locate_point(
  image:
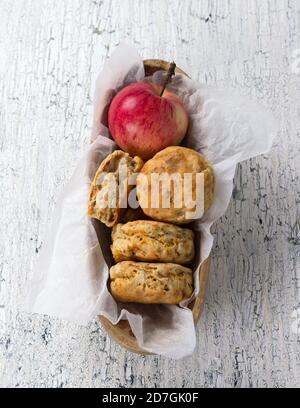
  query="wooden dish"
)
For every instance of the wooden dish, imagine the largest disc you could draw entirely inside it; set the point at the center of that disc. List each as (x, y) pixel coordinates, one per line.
(121, 332)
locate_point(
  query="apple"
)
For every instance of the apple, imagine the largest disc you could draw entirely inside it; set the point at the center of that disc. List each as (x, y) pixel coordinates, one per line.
(142, 122)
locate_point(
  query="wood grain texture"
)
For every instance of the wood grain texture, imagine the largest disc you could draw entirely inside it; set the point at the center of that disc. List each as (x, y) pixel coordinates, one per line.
(50, 53)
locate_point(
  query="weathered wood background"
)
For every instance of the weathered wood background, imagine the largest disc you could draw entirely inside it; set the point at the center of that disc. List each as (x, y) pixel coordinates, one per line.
(50, 52)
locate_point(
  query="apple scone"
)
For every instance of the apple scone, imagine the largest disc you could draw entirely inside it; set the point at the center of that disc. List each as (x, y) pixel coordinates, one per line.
(150, 283)
(108, 190)
(152, 241)
(176, 185)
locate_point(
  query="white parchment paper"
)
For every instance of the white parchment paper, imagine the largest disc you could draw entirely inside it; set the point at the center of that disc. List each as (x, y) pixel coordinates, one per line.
(71, 277)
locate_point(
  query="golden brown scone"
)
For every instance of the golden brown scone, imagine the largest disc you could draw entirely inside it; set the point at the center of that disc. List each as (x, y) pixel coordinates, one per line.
(152, 241)
(151, 283)
(174, 160)
(104, 187)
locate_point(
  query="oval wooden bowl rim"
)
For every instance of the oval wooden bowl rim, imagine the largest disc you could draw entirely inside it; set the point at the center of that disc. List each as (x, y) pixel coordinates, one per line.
(121, 332)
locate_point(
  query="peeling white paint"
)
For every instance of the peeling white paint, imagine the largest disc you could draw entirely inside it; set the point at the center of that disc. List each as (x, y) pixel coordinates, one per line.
(55, 50)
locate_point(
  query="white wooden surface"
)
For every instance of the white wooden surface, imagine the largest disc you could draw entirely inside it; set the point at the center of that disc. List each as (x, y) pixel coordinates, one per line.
(50, 52)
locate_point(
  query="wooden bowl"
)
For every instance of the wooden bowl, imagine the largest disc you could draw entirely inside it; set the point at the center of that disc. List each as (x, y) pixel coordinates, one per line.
(121, 332)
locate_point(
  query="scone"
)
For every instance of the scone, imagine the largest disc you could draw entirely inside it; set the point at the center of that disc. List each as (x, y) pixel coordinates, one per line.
(104, 198)
(151, 283)
(177, 162)
(152, 241)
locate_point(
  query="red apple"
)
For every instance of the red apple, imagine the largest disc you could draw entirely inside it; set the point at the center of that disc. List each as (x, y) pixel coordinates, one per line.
(142, 122)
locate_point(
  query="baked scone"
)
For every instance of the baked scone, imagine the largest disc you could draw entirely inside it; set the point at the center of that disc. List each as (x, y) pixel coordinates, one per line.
(175, 161)
(150, 283)
(152, 241)
(104, 197)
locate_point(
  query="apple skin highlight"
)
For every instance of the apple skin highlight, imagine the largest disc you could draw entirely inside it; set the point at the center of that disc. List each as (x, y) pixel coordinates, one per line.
(142, 122)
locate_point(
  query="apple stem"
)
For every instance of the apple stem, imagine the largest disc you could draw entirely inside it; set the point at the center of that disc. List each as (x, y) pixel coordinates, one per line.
(170, 73)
